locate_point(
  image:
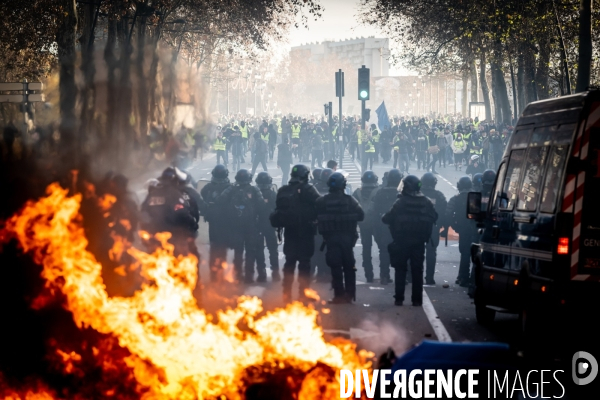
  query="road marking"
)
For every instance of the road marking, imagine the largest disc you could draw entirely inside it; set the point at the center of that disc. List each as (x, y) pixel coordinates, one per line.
(439, 329)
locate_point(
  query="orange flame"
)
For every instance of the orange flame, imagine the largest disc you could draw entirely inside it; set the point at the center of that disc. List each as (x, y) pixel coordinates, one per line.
(177, 350)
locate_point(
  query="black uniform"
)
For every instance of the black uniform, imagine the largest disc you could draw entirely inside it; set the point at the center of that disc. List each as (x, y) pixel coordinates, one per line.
(243, 203)
(295, 213)
(364, 196)
(438, 200)
(383, 200)
(410, 220)
(214, 214)
(338, 215)
(267, 235)
(467, 233)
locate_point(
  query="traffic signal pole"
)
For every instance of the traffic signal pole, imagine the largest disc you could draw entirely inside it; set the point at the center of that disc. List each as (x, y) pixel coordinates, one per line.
(362, 115)
(339, 92)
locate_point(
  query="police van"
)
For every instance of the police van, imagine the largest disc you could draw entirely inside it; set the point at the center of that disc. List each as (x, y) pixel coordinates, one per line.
(539, 250)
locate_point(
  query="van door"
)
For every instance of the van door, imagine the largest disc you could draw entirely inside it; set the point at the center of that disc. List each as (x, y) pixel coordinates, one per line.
(589, 244)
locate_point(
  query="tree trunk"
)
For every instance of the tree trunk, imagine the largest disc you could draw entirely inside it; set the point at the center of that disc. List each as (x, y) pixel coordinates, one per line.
(126, 133)
(143, 98)
(529, 70)
(541, 75)
(520, 83)
(111, 136)
(465, 94)
(65, 40)
(563, 55)
(88, 70)
(474, 85)
(585, 46)
(501, 94)
(514, 91)
(152, 78)
(484, 88)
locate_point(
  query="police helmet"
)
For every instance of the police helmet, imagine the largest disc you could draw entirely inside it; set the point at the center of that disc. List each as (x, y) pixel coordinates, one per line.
(169, 175)
(264, 180)
(316, 174)
(220, 172)
(336, 181)
(325, 174)
(489, 176)
(373, 126)
(429, 180)
(384, 179)
(369, 179)
(474, 158)
(394, 177)
(299, 173)
(464, 183)
(243, 176)
(477, 181)
(411, 185)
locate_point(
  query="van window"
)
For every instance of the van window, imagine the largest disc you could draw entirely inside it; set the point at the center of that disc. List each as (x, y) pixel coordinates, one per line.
(510, 188)
(496, 203)
(531, 188)
(520, 138)
(553, 182)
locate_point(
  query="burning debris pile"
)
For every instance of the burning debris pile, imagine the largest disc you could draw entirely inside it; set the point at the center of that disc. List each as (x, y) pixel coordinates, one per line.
(158, 344)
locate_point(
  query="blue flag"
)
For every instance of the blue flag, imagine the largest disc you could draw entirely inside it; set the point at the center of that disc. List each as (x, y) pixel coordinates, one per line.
(382, 117)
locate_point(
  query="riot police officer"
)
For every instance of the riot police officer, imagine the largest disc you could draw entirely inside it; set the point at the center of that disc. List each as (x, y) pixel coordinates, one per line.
(382, 202)
(315, 175)
(466, 228)
(167, 208)
(243, 202)
(477, 182)
(364, 196)
(267, 233)
(437, 198)
(321, 184)
(487, 184)
(411, 221)
(338, 215)
(295, 212)
(214, 214)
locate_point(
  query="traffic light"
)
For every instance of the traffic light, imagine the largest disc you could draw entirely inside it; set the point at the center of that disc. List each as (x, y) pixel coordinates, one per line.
(363, 83)
(366, 114)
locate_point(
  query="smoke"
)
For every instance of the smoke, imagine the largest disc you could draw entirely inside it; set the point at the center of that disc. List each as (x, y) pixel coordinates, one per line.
(388, 336)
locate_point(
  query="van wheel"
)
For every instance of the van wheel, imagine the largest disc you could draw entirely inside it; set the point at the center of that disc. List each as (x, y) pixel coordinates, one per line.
(484, 315)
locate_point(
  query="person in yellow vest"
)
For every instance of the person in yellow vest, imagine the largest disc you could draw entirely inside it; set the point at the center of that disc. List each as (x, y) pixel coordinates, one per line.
(296, 128)
(369, 152)
(476, 122)
(219, 145)
(459, 147)
(244, 130)
(360, 133)
(376, 136)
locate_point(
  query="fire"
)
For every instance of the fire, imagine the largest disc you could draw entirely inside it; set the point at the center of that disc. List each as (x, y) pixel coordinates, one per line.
(177, 350)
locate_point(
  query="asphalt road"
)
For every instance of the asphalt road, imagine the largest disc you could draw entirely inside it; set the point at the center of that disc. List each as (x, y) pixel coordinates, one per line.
(373, 322)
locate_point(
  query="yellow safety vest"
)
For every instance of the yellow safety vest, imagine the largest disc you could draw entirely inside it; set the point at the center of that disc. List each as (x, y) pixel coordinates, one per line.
(359, 136)
(244, 130)
(295, 132)
(476, 124)
(279, 126)
(459, 144)
(219, 144)
(369, 146)
(376, 136)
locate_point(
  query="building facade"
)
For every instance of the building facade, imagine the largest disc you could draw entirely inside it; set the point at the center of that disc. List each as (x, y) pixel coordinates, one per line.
(371, 52)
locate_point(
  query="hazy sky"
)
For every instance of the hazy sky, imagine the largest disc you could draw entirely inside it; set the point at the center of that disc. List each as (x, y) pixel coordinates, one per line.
(338, 22)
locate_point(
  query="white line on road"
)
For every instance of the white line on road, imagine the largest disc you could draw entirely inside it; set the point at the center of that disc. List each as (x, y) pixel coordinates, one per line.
(439, 329)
